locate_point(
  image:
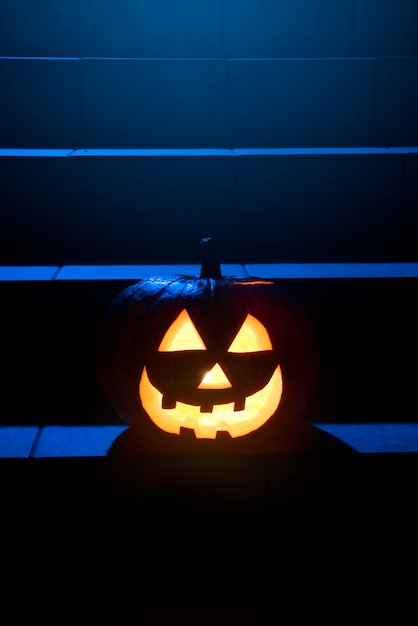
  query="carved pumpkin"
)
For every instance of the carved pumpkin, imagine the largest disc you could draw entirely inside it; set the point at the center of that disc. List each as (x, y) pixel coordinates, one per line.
(207, 357)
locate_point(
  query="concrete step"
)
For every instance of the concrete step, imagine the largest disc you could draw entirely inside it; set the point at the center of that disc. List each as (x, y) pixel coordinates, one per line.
(211, 28)
(110, 535)
(208, 102)
(67, 441)
(93, 206)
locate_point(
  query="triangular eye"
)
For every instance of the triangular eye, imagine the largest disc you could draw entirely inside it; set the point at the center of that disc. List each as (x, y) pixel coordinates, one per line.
(182, 335)
(251, 337)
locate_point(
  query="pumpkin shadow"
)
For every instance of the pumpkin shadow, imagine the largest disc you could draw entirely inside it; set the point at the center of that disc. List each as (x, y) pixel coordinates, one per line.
(236, 610)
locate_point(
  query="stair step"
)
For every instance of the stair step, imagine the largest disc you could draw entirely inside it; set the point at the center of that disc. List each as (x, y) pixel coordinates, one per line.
(263, 270)
(195, 102)
(135, 207)
(210, 28)
(55, 441)
(203, 152)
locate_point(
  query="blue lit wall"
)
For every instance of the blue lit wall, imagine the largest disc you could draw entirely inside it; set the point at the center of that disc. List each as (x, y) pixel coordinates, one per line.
(238, 83)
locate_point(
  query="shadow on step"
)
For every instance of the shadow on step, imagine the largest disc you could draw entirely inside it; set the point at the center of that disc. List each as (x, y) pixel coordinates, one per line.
(302, 439)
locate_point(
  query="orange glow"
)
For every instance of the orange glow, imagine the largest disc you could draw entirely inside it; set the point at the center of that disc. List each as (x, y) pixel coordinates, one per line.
(251, 337)
(254, 282)
(258, 409)
(215, 379)
(182, 335)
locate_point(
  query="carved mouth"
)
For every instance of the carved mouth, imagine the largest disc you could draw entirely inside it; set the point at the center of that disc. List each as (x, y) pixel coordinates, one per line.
(189, 433)
(238, 418)
(205, 407)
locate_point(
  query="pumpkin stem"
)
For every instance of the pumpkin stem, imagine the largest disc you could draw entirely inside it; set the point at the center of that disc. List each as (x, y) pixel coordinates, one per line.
(210, 263)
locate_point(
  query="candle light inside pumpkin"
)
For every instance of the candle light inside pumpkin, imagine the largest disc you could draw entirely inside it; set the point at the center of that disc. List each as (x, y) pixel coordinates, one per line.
(237, 418)
(215, 379)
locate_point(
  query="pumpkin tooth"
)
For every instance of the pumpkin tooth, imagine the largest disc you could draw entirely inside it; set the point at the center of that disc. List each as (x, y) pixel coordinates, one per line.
(206, 408)
(223, 435)
(187, 432)
(239, 404)
(168, 403)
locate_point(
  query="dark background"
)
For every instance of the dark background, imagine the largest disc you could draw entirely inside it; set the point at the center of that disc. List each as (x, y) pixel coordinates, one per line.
(135, 540)
(218, 74)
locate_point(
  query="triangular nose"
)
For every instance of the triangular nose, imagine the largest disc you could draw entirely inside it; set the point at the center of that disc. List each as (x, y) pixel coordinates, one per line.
(215, 379)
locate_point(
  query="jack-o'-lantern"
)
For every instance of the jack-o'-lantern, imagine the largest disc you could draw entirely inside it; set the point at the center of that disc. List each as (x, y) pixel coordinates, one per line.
(211, 356)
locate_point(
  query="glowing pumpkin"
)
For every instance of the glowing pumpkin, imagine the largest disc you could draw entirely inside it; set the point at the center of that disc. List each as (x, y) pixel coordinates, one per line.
(207, 357)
